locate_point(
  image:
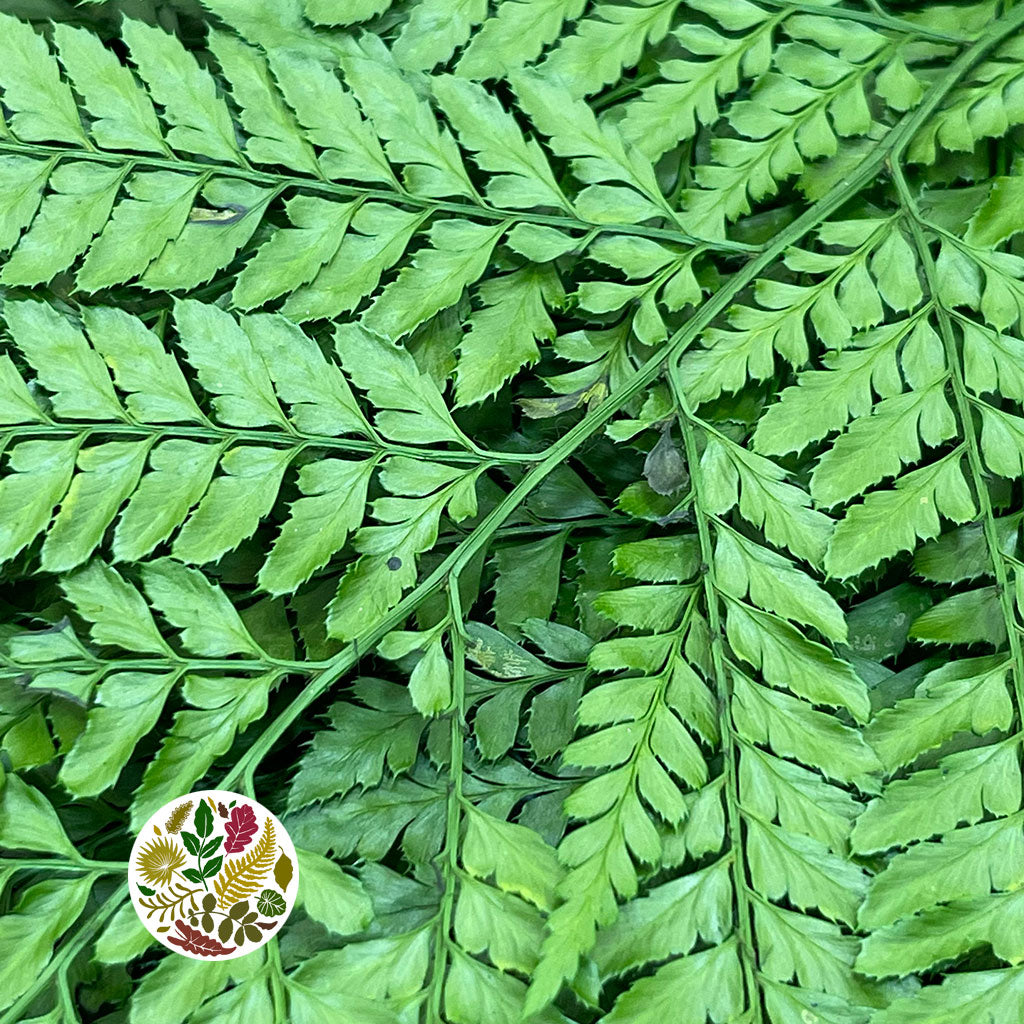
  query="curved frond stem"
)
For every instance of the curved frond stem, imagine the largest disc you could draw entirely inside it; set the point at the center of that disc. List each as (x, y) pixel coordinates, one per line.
(965, 414)
(723, 693)
(543, 528)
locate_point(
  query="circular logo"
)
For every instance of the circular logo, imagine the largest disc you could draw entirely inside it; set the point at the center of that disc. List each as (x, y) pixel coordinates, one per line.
(213, 875)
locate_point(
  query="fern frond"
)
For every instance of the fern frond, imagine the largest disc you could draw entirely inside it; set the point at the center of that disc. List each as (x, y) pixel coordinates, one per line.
(603, 854)
(827, 95)
(940, 916)
(129, 699)
(562, 455)
(847, 295)
(514, 35)
(176, 224)
(962, 121)
(669, 111)
(169, 433)
(602, 46)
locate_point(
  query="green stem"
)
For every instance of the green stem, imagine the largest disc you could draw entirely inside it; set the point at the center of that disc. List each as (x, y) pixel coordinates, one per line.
(449, 855)
(402, 198)
(723, 691)
(878, 19)
(66, 1000)
(104, 867)
(295, 439)
(199, 869)
(965, 414)
(589, 523)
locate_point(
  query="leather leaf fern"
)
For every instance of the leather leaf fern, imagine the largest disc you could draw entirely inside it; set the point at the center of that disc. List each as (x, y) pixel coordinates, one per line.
(564, 458)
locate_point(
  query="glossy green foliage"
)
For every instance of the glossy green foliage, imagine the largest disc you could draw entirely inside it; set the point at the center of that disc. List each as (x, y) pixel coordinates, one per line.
(564, 458)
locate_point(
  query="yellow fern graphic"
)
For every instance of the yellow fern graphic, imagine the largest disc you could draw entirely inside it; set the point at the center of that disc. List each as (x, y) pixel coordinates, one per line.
(242, 876)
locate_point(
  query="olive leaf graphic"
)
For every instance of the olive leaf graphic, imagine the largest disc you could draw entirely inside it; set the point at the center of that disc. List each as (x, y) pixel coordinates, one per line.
(177, 817)
(175, 899)
(283, 871)
(159, 859)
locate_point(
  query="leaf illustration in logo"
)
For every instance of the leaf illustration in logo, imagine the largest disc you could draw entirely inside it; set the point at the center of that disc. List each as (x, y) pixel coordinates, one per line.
(242, 876)
(240, 911)
(211, 867)
(271, 903)
(178, 817)
(203, 820)
(242, 921)
(211, 846)
(240, 829)
(159, 859)
(174, 900)
(283, 871)
(192, 940)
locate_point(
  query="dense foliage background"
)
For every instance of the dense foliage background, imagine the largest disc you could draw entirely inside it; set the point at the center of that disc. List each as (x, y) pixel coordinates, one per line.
(563, 458)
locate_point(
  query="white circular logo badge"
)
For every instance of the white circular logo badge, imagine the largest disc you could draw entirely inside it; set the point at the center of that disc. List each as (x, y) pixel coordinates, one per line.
(213, 875)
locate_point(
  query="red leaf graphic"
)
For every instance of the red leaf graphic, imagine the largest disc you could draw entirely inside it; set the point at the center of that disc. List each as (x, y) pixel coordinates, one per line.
(240, 829)
(194, 941)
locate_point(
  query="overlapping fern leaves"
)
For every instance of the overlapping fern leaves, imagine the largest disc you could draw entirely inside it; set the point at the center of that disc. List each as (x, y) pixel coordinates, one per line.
(564, 458)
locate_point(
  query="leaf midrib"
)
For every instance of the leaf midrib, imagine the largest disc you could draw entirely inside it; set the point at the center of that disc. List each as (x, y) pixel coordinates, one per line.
(284, 181)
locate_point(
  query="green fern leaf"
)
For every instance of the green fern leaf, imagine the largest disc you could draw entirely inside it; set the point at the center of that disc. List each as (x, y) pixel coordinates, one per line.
(568, 457)
(515, 35)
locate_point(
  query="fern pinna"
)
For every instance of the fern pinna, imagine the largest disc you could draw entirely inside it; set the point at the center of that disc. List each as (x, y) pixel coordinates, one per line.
(563, 458)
